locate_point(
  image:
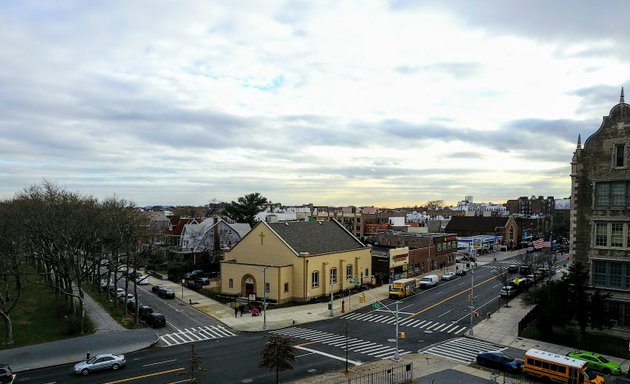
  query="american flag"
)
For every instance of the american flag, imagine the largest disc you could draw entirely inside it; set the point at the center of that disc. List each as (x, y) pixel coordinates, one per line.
(540, 244)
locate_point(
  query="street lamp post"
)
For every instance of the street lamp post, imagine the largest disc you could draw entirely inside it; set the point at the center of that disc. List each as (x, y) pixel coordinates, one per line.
(183, 281)
(396, 355)
(472, 299)
(264, 270)
(265, 298)
(331, 296)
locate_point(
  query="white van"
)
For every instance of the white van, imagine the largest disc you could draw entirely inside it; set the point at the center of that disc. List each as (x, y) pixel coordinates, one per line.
(429, 281)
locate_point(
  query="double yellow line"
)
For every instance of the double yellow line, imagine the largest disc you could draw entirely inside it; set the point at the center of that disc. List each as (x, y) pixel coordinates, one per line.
(145, 376)
(449, 298)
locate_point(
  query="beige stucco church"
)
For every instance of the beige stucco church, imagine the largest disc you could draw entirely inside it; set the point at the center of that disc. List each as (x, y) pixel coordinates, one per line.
(298, 261)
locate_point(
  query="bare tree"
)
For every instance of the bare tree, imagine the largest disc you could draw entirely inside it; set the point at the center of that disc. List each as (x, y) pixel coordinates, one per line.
(278, 354)
(11, 260)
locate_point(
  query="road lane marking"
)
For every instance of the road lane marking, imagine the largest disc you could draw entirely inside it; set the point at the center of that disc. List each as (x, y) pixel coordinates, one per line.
(445, 313)
(450, 297)
(160, 362)
(145, 376)
(328, 355)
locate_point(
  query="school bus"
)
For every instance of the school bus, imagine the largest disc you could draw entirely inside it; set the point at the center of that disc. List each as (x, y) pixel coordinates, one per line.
(560, 369)
(402, 288)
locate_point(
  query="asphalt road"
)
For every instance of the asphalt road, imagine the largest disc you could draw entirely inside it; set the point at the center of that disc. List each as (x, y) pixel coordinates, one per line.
(229, 360)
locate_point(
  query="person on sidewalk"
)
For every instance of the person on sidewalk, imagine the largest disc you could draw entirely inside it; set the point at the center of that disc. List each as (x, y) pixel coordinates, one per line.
(235, 311)
(241, 308)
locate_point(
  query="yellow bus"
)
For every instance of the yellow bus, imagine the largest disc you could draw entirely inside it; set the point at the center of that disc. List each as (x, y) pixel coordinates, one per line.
(403, 288)
(561, 369)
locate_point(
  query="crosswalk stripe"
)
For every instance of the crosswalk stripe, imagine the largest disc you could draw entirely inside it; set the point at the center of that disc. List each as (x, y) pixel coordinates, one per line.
(194, 334)
(420, 323)
(335, 340)
(460, 331)
(427, 323)
(462, 349)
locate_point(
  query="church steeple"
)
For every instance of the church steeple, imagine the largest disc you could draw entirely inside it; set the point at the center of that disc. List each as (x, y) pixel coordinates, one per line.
(579, 143)
(621, 101)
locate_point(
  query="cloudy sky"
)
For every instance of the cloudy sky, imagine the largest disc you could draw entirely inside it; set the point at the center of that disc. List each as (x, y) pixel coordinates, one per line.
(385, 103)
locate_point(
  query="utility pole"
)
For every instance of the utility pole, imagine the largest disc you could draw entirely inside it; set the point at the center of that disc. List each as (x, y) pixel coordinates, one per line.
(472, 300)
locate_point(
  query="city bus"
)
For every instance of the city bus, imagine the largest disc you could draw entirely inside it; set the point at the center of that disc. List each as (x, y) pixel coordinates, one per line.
(560, 369)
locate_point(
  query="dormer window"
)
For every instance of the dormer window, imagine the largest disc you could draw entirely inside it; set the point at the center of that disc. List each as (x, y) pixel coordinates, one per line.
(620, 156)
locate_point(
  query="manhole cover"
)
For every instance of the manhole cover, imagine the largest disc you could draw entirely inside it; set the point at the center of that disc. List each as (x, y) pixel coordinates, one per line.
(391, 340)
(312, 370)
(428, 331)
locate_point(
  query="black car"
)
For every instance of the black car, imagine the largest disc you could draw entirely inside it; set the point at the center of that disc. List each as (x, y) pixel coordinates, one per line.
(460, 272)
(525, 270)
(6, 375)
(513, 268)
(193, 274)
(156, 288)
(194, 284)
(144, 311)
(156, 320)
(166, 293)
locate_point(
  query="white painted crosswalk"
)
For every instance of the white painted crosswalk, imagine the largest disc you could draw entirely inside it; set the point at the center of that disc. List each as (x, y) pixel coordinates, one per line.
(462, 349)
(365, 347)
(427, 325)
(191, 335)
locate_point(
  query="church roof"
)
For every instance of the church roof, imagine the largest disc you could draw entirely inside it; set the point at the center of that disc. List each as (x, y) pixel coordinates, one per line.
(316, 237)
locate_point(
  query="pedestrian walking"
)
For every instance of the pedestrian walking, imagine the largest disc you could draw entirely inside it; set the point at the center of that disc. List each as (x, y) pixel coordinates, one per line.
(242, 309)
(87, 356)
(235, 311)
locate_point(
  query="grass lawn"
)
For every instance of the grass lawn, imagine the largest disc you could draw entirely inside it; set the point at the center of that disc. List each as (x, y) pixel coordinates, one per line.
(38, 318)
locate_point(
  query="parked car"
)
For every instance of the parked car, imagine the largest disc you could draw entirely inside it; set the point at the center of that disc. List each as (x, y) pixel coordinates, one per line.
(597, 362)
(142, 280)
(194, 284)
(6, 374)
(203, 280)
(193, 274)
(156, 320)
(508, 291)
(449, 276)
(98, 363)
(460, 272)
(125, 298)
(512, 268)
(144, 311)
(429, 281)
(157, 288)
(499, 360)
(166, 293)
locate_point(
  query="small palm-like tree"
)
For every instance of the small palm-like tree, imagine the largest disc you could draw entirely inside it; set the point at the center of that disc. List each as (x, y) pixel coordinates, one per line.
(278, 353)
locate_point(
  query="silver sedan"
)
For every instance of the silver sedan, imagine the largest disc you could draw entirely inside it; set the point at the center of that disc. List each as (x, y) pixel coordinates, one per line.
(98, 363)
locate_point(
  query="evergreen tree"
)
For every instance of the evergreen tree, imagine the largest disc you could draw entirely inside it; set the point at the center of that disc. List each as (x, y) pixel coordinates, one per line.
(246, 208)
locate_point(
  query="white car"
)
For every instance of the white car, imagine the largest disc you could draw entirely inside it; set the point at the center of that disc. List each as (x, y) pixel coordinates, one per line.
(449, 276)
(142, 280)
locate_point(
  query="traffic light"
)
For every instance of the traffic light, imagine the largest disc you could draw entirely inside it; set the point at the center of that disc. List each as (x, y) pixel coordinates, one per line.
(476, 314)
(469, 297)
(362, 299)
(401, 335)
